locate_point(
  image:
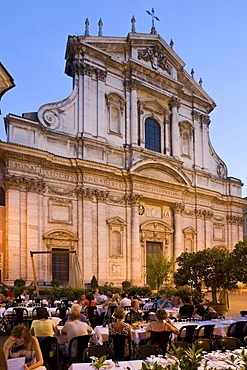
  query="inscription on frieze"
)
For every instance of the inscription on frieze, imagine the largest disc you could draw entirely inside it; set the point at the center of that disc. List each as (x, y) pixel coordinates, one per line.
(153, 189)
(24, 166)
(104, 182)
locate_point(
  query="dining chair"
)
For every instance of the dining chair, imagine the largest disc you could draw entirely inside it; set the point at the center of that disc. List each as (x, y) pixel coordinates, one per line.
(35, 312)
(108, 315)
(187, 333)
(146, 350)
(20, 316)
(243, 313)
(230, 343)
(49, 349)
(206, 344)
(236, 330)
(205, 331)
(119, 343)
(62, 313)
(76, 348)
(97, 351)
(161, 339)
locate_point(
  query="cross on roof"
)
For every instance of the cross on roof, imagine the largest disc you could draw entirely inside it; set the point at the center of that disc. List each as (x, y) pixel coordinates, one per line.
(153, 30)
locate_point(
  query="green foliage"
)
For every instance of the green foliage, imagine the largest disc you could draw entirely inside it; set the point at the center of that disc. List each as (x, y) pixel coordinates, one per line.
(20, 282)
(142, 291)
(210, 267)
(99, 362)
(126, 285)
(17, 290)
(159, 269)
(238, 261)
(188, 358)
(94, 283)
(56, 282)
(156, 366)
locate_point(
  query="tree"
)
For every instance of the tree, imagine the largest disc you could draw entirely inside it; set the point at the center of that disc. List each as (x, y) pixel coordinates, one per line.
(238, 261)
(209, 266)
(159, 269)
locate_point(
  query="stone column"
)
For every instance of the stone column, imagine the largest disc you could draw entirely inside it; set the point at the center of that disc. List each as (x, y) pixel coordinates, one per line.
(100, 128)
(87, 232)
(199, 220)
(167, 133)
(136, 264)
(208, 228)
(178, 209)
(198, 146)
(102, 251)
(205, 136)
(133, 113)
(174, 106)
(87, 71)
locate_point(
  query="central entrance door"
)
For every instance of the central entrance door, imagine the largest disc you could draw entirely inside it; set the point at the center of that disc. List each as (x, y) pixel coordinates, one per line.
(152, 249)
(60, 265)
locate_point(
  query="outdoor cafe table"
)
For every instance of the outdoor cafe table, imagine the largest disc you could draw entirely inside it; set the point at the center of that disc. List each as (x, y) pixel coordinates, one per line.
(216, 360)
(51, 310)
(221, 325)
(220, 329)
(102, 334)
(122, 365)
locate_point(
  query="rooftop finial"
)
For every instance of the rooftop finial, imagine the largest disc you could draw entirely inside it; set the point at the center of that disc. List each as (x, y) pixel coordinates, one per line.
(200, 82)
(171, 43)
(192, 72)
(133, 27)
(100, 24)
(153, 30)
(86, 27)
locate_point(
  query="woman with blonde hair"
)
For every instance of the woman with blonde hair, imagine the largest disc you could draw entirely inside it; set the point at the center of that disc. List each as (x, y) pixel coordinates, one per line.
(22, 344)
(121, 328)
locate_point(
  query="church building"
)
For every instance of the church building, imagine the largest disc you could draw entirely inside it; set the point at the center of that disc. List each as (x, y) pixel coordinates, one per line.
(120, 169)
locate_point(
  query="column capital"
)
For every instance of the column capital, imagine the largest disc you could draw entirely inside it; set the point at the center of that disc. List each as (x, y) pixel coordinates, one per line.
(174, 102)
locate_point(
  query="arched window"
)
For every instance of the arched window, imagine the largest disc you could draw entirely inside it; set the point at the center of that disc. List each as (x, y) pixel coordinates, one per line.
(152, 135)
(2, 197)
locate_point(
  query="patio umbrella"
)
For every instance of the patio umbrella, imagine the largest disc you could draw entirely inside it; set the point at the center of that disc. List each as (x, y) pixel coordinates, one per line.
(75, 275)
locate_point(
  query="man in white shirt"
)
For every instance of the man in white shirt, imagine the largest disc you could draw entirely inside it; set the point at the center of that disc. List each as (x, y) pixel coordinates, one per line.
(125, 301)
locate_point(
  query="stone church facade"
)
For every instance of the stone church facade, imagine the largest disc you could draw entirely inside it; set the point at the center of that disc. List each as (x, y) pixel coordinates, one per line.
(121, 168)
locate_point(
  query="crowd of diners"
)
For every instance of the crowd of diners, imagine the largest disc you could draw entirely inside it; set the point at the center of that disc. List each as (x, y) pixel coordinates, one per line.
(25, 341)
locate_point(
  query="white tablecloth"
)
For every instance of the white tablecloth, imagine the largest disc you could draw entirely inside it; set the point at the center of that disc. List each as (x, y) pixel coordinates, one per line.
(216, 359)
(133, 365)
(102, 334)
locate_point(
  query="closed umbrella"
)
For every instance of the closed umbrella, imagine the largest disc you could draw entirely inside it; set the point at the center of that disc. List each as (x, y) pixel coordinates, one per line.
(75, 275)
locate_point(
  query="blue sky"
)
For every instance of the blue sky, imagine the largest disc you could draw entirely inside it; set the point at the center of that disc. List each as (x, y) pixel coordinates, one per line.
(209, 35)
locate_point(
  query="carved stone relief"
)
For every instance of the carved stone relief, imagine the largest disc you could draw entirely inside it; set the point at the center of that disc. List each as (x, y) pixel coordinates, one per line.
(156, 56)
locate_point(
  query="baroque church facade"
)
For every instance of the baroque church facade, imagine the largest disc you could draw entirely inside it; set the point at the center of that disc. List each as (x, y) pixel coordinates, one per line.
(120, 169)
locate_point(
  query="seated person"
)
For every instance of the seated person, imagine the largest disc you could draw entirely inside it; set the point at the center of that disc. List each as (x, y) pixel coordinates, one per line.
(199, 309)
(187, 309)
(43, 326)
(122, 328)
(176, 301)
(134, 315)
(73, 328)
(125, 301)
(25, 295)
(101, 298)
(76, 308)
(163, 301)
(22, 344)
(162, 325)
